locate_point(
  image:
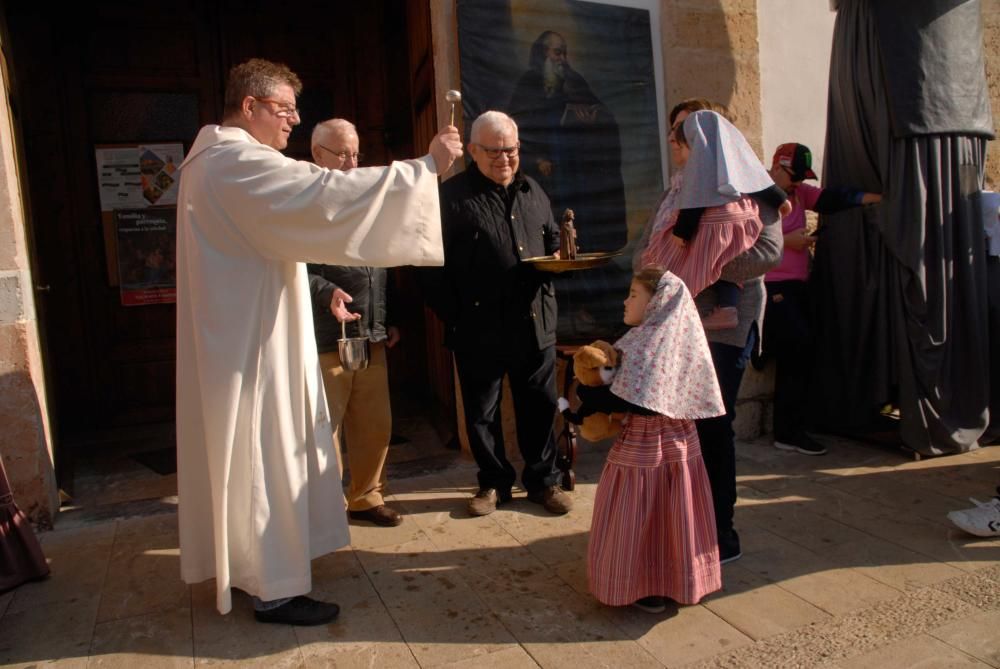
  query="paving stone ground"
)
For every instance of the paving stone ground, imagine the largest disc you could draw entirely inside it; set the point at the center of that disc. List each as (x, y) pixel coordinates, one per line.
(848, 562)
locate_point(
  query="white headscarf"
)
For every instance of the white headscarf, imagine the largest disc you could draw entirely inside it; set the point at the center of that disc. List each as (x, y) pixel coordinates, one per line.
(722, 167)
(666, 366)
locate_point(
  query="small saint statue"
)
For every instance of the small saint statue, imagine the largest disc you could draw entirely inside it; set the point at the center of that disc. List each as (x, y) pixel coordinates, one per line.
(567, 236)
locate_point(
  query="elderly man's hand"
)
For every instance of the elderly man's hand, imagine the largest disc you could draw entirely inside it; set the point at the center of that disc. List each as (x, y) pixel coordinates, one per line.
(445, 148)
(338, 306)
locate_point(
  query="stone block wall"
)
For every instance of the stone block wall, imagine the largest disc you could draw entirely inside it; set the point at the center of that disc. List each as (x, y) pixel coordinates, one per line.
(991, 50)
(710, 50)
(25, 445)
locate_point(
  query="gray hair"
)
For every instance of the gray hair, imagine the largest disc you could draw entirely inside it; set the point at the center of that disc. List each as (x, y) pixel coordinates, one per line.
(491, 120)
(331, 126)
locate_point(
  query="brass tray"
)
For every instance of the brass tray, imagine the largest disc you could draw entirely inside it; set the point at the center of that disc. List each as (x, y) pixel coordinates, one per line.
(582, 261)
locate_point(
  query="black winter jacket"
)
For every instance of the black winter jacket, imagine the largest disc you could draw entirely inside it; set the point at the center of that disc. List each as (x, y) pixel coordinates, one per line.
(485, 295)
(367, 287)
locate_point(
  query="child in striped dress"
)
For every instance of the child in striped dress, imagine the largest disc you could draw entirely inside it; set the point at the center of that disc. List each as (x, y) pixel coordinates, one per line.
(717, 217)
(653, 530)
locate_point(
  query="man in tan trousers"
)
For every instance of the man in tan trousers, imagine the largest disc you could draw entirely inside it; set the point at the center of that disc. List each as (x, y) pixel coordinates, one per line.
(358, 400)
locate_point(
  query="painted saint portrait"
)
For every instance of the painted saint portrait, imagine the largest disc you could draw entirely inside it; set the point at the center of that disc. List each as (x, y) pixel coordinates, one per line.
(578, 79)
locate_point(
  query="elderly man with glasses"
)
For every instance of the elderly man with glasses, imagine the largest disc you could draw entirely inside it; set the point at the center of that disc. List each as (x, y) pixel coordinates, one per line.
(258, 483)
(500, 313)
(358, 400)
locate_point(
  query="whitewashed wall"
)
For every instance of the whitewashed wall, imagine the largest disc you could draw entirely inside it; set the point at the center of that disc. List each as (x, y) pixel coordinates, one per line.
(795, 38)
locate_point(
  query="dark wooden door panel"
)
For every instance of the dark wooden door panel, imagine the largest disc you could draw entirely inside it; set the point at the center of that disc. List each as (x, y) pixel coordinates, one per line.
(122, 72)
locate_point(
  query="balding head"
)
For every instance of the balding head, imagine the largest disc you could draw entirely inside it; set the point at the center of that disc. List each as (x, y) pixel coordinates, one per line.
(335, 144)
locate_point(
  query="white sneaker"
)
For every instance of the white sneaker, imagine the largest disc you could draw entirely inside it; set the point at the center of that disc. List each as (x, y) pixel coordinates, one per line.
(982, 521)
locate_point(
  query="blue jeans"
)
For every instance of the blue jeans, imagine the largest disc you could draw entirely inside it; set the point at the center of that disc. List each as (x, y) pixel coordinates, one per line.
(718, 445)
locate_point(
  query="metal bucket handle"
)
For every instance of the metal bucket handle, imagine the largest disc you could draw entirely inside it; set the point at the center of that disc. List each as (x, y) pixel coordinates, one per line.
(353, 351)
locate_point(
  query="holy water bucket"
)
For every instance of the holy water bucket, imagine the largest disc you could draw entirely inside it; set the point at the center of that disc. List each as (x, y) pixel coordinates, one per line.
(353, 350)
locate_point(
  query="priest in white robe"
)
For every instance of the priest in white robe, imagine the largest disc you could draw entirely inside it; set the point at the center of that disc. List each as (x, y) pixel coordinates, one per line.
(259, 486)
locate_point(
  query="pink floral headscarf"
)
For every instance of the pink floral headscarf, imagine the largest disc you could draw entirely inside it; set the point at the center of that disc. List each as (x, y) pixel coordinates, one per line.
(666, 366)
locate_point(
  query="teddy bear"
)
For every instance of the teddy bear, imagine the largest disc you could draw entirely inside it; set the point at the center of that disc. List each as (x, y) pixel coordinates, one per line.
(594, 366)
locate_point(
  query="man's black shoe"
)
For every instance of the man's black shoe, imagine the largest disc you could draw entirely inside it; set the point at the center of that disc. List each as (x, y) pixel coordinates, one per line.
(729, 547)
(301, 611)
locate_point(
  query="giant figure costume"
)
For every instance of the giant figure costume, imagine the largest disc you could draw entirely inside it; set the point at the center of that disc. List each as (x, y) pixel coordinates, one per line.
(901, 287)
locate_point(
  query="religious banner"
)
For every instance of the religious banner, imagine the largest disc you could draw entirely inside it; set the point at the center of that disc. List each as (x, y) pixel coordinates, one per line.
(147, 268)
(578, 78)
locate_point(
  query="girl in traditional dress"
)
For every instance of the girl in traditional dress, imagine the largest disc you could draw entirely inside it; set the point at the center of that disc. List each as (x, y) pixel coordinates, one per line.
(653, 530)
(716, 217)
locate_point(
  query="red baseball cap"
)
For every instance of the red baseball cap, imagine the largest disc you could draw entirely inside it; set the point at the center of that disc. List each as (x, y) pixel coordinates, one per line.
(797, 158)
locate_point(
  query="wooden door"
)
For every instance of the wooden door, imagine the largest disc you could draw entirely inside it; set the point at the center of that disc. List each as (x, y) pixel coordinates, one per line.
(438, 370)
(121, 72)
(106, 75)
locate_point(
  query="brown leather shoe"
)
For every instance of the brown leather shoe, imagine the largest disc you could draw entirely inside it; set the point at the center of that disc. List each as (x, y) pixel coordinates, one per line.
(380, 515)
(553, 499)
(486, 502)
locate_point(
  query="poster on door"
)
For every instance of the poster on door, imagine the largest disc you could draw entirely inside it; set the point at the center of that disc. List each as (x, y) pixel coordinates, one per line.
(143, 175)
(134, 176)
(147, 267)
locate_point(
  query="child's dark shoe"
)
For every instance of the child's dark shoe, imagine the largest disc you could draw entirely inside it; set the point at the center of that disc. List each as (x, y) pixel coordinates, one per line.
(653, 604)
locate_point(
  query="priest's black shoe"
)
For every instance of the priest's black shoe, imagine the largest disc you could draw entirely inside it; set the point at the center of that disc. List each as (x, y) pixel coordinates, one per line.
(300, 610)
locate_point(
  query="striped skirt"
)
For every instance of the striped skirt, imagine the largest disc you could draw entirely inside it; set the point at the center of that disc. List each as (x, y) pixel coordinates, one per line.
(653, 530)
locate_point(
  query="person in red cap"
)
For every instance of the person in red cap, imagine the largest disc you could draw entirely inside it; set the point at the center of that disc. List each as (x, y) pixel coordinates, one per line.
(786, 319)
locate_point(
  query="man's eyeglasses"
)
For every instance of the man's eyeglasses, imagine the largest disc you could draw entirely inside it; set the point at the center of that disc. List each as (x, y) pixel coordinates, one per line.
(284, 110)
(493, 154)
(344, 155)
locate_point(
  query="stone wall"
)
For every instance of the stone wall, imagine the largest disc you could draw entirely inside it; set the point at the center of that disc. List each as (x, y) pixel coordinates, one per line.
(710, 50)
(991, 49)
(24, 437)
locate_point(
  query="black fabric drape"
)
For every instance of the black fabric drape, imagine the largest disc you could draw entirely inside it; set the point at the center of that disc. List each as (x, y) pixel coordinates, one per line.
(900, 287)
(932, 57)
